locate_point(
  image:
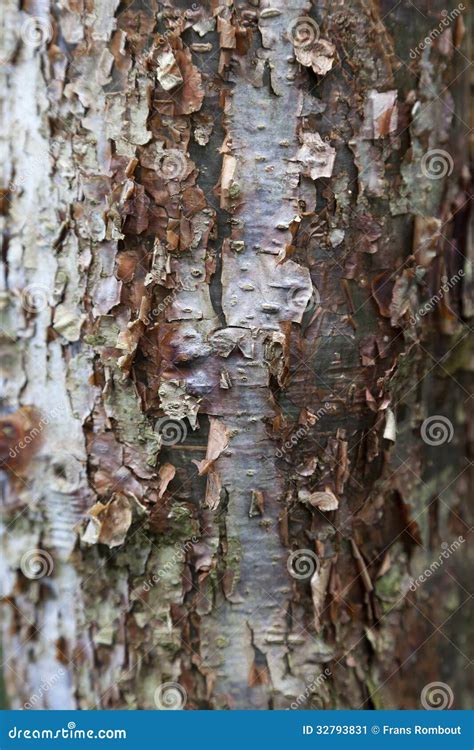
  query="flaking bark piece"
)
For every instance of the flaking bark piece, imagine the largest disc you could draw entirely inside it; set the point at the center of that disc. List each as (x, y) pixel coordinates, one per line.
(370, 165)
(426, 239)
(316, 156)
(370, 231)
(368, 351)
(21, 435)
(227, 189)
(224, 380)
(213, 490)
(362, 567)
(217, 442)
(257, 504)
(307, 467)
(404, 296)
(319, 585)
(135, 209)
(390, 430)
(187, 97)
(128, 341)
(177, 403)
(382, 287)
(168, 73)
(108, 524)
(320, 56)
(225, 340)
(323, 500)
(380, 114)
(276, 356)
(167, 473)
(226, 33)
(203, 127)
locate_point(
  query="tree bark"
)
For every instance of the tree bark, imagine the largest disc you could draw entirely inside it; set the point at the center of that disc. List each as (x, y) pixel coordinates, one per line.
(236, 354)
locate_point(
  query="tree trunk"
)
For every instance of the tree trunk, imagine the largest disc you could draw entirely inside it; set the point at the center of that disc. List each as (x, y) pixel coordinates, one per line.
(235, 354)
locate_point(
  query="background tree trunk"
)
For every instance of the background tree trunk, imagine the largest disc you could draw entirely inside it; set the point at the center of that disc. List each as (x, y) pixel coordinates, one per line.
(220, 224)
